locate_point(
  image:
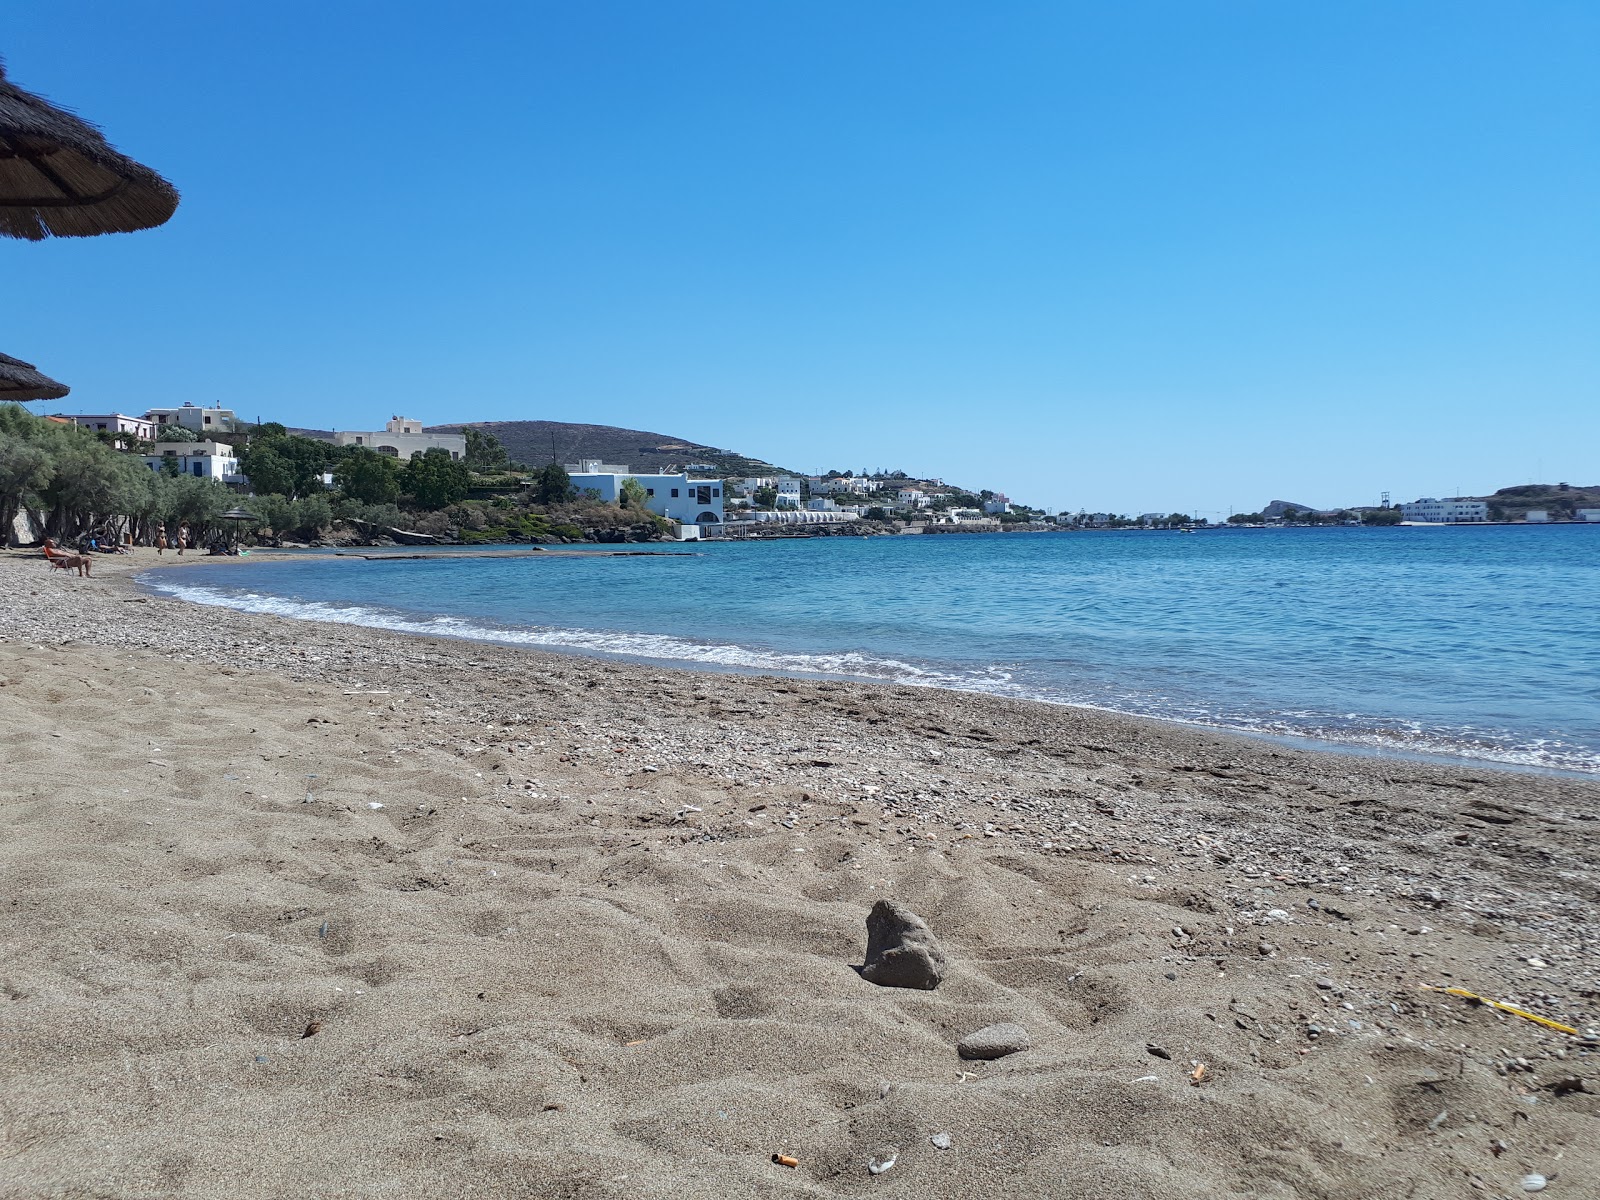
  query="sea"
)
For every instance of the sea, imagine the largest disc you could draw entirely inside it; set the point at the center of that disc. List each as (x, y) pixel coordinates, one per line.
(1478, 643)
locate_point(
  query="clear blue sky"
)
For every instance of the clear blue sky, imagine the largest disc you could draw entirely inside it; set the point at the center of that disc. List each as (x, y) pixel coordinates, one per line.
(1161, 255)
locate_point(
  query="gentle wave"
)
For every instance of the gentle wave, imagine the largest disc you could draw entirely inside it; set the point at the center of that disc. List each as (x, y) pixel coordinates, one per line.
(1349, 729)
(663, 647)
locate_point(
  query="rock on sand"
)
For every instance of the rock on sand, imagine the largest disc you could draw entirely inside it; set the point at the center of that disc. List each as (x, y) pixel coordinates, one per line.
(901, 949)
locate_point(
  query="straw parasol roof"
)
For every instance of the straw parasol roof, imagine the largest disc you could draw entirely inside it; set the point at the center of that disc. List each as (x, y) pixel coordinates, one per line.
(20, 381)
(60, 177)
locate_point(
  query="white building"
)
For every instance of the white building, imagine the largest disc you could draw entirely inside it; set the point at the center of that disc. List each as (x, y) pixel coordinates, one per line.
(401, 438)
(1000, 503)
(677, 497)
(1591, 515)
(203, 460)
(795, 517)
(118, 423)
(787, 487)
(822, 504)
(1446, 512)
(201, 420)
(910, 497)
(1537, 516)
(839, 485)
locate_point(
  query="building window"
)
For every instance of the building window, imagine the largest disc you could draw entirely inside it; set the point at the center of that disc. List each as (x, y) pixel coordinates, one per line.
(649, 491)
(716, 491)
(674, 493)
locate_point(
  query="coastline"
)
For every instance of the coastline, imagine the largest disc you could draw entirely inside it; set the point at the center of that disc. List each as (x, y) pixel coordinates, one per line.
(203, 870)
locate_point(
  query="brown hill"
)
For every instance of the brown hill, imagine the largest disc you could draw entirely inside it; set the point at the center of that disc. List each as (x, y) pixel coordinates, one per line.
(1560, 500)
(535, 443)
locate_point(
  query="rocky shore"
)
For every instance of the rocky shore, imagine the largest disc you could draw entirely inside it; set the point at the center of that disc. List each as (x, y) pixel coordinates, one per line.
(319, 910)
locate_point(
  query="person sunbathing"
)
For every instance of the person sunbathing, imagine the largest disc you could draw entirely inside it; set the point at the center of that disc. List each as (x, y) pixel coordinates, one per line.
(63, 560)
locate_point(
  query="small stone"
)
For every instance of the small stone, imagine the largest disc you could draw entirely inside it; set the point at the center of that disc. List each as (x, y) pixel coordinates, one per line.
(940, 1141)
(901, 949)
(994, 1041)
(1533, 1182)
(1325, 984)
(883, 1160)
(1157, 1051)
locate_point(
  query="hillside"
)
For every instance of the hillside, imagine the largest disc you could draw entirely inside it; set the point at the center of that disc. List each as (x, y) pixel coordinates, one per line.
(533, 442)
(1558, 499)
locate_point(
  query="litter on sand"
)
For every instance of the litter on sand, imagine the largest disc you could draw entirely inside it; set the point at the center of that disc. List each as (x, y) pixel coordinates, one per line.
(786, 1160)
(1503, 1007)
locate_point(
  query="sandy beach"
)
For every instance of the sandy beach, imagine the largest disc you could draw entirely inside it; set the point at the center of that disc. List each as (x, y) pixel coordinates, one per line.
(312, 910)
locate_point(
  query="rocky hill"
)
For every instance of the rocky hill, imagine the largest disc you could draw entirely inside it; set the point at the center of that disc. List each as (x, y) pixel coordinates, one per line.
(535, 442)
(1558, 499)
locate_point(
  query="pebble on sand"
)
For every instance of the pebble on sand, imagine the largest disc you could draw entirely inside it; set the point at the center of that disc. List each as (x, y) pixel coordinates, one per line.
(994, 1041)
(901, 949)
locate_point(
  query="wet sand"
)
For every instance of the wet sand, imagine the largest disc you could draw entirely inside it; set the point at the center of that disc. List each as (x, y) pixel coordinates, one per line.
(305, 909)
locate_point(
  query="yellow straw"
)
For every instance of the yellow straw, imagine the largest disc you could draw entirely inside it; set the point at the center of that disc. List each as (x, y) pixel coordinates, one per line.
(1503, 1007)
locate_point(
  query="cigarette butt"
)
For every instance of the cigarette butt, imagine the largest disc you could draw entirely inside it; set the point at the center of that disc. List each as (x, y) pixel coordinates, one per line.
(1199, 1074)
(784, 1160)
(639, 1042)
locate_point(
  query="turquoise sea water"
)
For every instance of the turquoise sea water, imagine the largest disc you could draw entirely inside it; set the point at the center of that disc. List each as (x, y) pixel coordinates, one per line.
(1473, 642)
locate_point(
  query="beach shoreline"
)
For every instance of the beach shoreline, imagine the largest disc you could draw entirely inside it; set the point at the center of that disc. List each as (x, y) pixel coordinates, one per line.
(576, 926)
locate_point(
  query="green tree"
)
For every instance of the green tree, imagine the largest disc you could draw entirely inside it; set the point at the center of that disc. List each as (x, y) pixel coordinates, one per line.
(485, 454)
(24, 469)
(632, 494)
(435, 480)
(268, 471)
(552, 485)
(1382, 516)
(368, 476)
(766, 497)
(176, 433)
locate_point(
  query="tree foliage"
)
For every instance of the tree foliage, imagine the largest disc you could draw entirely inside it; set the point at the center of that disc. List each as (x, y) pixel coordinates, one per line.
(367, 476)
(552, 485)
(485, 454)
(286, 465)
(632, 494)
(435, 480)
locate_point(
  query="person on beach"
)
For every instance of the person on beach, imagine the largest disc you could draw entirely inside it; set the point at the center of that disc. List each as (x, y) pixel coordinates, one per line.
(183, 537)
(59, 558)
(161, 537)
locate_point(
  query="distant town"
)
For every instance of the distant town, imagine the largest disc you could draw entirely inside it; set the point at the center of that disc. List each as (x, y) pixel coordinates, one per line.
(410, 482)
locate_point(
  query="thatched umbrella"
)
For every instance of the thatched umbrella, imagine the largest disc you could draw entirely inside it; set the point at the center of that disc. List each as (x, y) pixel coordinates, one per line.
(21, 381)
(60, 177)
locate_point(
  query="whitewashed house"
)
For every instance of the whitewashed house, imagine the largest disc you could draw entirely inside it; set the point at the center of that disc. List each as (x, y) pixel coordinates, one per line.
(1590, 515)
(910, 497)
(198, 420)
(1537, 516)
(124, 428)
(677, 497)
(402, 437)
(203, 460)
(999, 503)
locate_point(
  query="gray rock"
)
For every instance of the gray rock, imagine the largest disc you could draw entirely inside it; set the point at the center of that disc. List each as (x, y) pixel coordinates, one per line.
(994, 1041)
(941, 1141)
(901, 949)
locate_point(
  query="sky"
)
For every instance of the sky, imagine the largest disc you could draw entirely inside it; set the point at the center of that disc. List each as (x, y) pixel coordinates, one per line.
(1146, 256)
